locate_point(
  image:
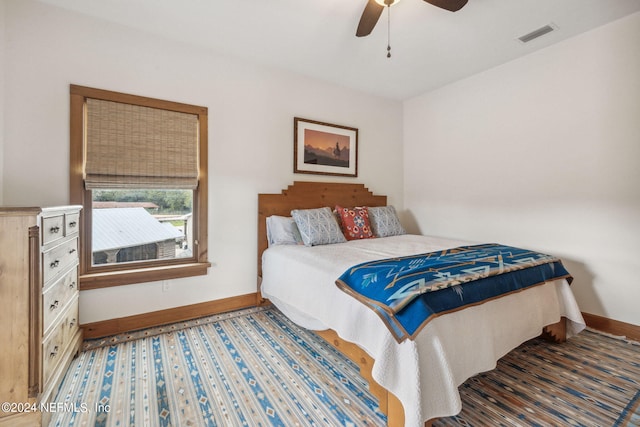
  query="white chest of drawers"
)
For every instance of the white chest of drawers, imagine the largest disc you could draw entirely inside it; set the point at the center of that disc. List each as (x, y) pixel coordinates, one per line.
(38, 305)
(61, 335)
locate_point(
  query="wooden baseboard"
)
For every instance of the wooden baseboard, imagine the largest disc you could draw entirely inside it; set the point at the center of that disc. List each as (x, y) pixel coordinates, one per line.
(611, 326)
(120, 325)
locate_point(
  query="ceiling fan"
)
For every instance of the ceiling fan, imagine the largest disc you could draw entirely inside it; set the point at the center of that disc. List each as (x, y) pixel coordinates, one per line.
(374, 8)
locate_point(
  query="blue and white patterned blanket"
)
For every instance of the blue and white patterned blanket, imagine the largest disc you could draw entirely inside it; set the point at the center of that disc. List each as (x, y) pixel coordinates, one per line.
(408, 292)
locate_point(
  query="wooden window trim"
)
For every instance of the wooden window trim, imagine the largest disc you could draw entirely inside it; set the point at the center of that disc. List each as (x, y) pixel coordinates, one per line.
(92, 277)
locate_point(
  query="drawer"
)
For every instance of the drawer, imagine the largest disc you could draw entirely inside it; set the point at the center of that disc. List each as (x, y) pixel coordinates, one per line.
(55, 343)
(72, 223)
(59, 259)
(57, 296)
(70, 324)
(52, 349)
(52, 228)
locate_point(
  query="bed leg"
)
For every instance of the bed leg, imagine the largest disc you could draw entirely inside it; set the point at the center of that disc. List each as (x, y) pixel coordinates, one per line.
(389, 404)
(395, 411)
(556, 332)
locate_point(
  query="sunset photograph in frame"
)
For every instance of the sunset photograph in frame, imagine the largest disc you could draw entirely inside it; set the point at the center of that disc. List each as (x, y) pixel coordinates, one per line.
(324, 148)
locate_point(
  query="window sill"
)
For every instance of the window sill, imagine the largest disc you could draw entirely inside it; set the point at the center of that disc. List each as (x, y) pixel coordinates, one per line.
(141, 275)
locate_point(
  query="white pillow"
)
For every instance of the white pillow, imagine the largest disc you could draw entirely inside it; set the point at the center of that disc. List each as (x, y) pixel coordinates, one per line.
(282, 230)
(384, 221)
(318, 226)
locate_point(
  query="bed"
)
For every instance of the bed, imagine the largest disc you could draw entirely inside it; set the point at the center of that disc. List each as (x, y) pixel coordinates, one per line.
(415, 380)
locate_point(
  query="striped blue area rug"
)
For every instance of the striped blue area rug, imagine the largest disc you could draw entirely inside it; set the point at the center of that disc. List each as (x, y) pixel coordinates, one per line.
(592, 380)
(631, 414)
(255, 368)
(249, 368)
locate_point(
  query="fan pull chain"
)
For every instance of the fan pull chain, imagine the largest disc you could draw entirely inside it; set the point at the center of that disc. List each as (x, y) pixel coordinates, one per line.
(388, 31)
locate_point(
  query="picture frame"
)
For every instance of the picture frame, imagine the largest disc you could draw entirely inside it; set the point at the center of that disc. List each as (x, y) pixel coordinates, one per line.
(324, 148)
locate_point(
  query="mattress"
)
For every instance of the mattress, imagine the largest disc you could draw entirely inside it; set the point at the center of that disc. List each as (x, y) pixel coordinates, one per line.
(424, 373)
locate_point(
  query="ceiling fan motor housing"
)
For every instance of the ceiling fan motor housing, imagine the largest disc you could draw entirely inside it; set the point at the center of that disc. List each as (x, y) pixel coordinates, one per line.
(386, 2)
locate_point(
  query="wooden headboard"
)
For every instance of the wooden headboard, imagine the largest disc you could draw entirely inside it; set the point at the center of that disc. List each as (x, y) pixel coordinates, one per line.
(308, 195)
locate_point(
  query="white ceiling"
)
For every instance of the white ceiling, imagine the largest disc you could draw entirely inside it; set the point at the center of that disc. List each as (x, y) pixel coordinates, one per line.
(430, 47)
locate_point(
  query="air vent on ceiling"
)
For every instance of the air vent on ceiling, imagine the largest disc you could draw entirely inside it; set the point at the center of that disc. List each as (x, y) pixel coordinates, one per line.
(536, 33)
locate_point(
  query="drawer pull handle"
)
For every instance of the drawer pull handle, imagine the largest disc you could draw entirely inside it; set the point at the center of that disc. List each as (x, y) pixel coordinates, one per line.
(54, 264)
(72, 323)
(72, 285)
(72, 224)
(72, 250)
(54, 352)
(54, 305)
(54, 230)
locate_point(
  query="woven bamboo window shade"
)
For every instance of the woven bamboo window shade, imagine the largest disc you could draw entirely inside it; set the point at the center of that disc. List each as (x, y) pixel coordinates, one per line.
(131, 146)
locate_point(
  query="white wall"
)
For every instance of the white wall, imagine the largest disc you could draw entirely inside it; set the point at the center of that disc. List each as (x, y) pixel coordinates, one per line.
(542, 152)
(251, 112)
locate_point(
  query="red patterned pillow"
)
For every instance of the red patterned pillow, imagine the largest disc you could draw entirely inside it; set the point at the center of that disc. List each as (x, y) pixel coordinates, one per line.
(355, 222)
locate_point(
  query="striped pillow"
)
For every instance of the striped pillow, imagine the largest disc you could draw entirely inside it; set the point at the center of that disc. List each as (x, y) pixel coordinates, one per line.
(385, 222)
(317, 226)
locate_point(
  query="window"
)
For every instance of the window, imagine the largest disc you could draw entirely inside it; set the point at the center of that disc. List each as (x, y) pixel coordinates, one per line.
(138, 225)
(139, 169)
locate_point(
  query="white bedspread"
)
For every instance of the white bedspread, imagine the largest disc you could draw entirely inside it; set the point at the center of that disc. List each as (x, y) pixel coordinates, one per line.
(424, 374)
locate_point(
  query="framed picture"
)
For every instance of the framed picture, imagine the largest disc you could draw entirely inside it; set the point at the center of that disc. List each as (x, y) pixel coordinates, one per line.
(324, 149)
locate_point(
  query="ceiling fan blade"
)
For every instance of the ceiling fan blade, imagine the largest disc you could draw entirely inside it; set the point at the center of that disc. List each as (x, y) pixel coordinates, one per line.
(450, 5)
(370, 16)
